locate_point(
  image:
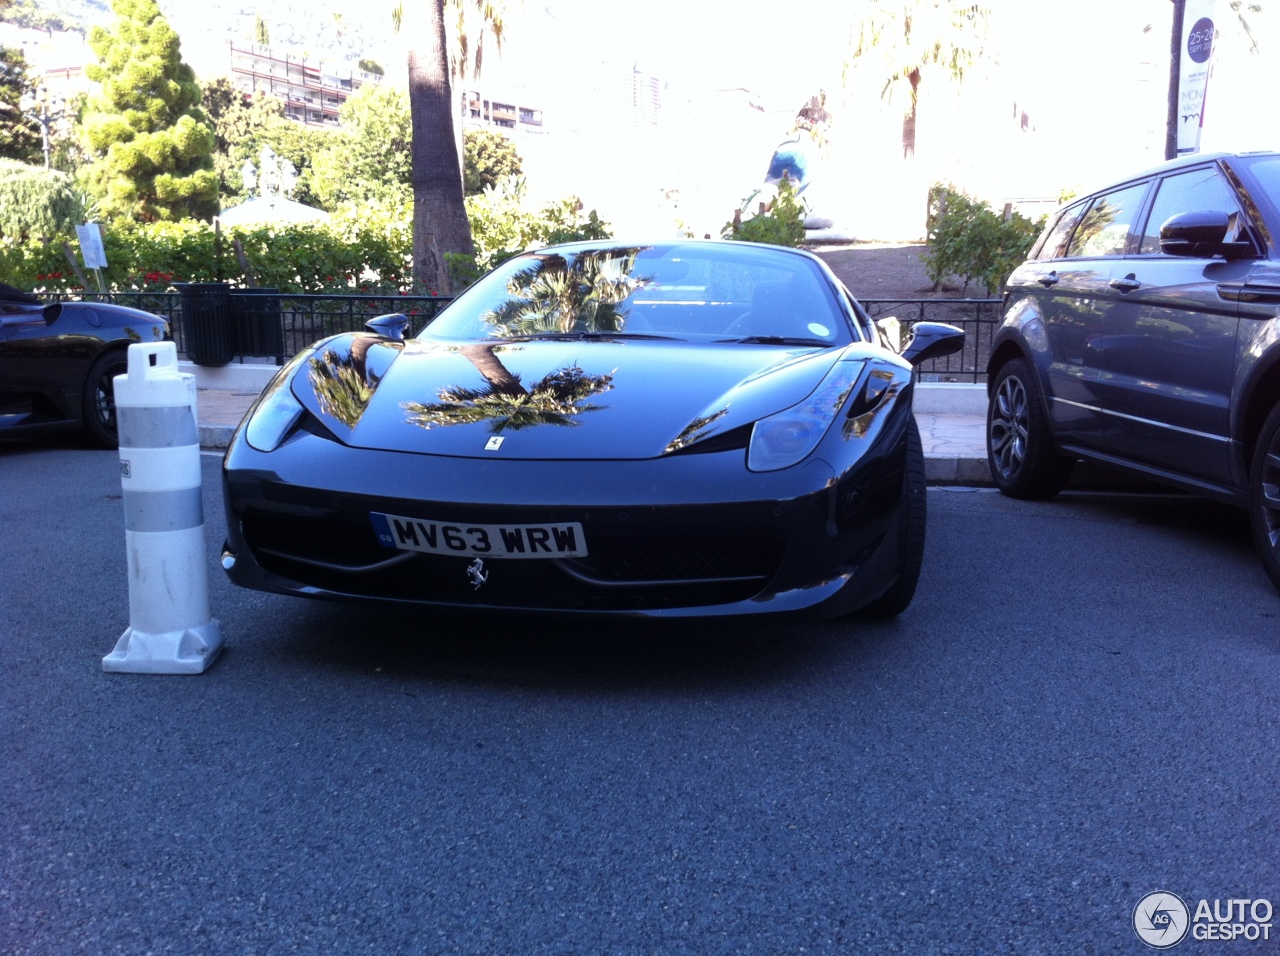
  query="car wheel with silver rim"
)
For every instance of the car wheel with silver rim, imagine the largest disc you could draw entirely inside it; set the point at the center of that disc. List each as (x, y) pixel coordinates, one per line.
(1264, 495)
(1024, 463)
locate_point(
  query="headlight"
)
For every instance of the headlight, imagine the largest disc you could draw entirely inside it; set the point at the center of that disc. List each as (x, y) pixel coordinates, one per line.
(781, 440)
(276, 411)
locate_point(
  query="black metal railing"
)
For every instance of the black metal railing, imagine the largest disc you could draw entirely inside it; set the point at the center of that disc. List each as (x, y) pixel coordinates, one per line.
(978, 317)
(268, 324)
(276, 326)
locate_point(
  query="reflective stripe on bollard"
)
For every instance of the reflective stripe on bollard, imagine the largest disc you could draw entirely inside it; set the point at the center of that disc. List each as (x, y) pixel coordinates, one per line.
(170, 628)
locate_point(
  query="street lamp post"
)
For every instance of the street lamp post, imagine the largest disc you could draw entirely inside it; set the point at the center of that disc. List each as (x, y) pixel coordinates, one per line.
(1175, 79)
(36, 106)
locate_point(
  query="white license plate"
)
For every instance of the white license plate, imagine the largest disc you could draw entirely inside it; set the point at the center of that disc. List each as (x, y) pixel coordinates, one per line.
(480, 540)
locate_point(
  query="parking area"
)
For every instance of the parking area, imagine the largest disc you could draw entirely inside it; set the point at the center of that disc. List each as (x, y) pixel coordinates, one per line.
(1077, 710)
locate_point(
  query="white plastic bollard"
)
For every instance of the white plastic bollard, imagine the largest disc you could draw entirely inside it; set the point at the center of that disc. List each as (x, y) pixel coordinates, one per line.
(170, 629)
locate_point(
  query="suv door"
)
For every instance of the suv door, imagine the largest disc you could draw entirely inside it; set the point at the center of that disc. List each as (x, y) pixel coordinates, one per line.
(1167, 353)
(1073, 305)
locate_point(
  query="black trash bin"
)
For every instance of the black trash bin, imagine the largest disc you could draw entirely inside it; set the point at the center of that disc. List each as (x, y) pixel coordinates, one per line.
(206, 322)
(255, 313)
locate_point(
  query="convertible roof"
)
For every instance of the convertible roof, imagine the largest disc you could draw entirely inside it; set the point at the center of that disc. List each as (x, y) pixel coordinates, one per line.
(9, 294)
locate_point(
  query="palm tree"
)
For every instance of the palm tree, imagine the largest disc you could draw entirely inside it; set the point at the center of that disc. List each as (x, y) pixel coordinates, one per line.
(440, 225)
(911, 38)
(556, 399)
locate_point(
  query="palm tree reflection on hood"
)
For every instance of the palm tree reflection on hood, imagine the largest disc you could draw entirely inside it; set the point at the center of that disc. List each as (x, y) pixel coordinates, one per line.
(558, 295)
(343, 382)
(506, 403)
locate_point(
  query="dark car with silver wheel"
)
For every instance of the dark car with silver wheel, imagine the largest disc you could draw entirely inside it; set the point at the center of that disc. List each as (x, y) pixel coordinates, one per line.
(58, 362)
(1143, 333)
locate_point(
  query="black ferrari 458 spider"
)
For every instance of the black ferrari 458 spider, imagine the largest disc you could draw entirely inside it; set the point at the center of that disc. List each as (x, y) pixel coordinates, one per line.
(676, 429)
(58, 361)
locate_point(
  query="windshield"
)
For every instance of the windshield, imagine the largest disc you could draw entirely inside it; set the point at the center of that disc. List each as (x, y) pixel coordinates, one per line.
(687, 291)
(1266, 172)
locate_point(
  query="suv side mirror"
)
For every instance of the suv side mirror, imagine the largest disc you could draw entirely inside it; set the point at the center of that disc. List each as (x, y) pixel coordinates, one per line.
(1201, 235)
(931, 340)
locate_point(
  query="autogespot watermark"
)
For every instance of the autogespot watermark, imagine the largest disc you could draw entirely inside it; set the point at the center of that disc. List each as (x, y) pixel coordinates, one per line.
(1162, 920)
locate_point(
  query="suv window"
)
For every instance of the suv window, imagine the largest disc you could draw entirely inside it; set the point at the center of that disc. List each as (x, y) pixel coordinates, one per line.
(1196, 190)
(1054, 243)
(1104, 228)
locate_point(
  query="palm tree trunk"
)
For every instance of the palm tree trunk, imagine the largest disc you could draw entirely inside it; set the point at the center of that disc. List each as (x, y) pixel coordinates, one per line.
(439, 214)
(909, 118)
(499, 377)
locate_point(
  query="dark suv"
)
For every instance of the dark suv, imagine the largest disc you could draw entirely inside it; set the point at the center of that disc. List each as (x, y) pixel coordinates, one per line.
(1143, 333)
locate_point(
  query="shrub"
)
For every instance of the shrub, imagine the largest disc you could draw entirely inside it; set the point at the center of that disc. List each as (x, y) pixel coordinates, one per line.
(503, 224)
(35, 201)
(782, 224)
(339, 257)
(967, 238)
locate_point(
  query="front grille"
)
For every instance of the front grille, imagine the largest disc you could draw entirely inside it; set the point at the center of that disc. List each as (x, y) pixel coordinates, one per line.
(342, 555)
(676, 559)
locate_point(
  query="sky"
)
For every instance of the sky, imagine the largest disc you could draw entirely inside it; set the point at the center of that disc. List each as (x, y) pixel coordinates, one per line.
(1090, 76)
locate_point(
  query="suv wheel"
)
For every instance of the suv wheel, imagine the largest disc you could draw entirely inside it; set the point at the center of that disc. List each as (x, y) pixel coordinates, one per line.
(1264, 495)
(1020, 449)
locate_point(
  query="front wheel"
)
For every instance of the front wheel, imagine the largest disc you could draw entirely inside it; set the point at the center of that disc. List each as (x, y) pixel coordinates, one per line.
(911, 527)
(1264, 495)
(100, 399)
(1024, 463)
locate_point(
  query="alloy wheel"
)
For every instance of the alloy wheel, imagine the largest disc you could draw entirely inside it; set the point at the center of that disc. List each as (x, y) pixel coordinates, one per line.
(1007, 430)
(1269, 493)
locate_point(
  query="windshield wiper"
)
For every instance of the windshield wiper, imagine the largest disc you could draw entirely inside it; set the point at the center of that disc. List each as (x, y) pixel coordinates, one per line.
(775, 340)
(589, 336)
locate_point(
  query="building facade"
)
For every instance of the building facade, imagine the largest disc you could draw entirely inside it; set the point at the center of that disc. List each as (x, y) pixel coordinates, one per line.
(312, 92)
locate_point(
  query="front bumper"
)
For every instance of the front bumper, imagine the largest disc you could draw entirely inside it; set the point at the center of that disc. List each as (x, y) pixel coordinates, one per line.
(685, 536)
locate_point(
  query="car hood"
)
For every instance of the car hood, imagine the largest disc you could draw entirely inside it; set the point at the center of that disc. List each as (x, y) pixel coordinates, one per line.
(576, 399)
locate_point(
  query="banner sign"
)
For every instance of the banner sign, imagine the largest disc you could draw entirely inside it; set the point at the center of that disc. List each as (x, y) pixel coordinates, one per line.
(1193, 71)
(90, 236)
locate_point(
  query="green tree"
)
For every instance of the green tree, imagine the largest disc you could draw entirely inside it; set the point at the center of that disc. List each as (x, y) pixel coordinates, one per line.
(910, 39)
(35, 201)
(19, 135)
(440, 224)
(242, 126)
(152, 143)
(25, 13)
(369, 160)
(503, 224)
(261, 34)
(488, 156)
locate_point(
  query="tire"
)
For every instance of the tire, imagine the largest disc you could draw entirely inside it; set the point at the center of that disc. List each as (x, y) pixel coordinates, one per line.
(99, 399)
(1264, 495)
(1020, 448)
(910, 534)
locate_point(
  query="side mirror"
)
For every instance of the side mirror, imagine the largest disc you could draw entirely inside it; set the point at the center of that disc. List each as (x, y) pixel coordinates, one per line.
(931, 340)
(890, 328)
(390, 326)
(1201, 235)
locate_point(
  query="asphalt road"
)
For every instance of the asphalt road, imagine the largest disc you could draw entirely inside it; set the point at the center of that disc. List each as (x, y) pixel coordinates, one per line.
(1079, 709)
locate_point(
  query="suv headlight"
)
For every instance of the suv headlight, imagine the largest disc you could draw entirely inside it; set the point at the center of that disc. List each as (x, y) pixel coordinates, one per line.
(787, 437)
